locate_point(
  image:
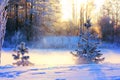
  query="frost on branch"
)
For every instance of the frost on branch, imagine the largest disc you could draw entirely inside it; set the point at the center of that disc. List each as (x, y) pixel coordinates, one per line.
(87, 51)
(20, 55)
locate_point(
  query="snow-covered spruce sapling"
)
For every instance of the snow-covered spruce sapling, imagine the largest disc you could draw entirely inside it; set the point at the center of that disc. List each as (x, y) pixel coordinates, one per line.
(87, 50)
(20, 55)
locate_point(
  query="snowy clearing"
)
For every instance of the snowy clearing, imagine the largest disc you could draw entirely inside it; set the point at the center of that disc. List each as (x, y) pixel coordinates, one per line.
(60, 65)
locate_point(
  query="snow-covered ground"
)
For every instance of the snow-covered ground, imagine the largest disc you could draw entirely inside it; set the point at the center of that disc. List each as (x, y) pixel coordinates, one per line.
(53, 64)
(73, 72)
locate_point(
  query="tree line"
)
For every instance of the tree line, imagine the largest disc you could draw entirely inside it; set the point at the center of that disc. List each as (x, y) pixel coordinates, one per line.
(110, 21)
(29, 20)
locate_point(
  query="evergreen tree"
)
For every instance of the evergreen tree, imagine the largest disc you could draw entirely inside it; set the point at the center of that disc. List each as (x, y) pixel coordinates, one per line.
(87, 47)
(20, 56)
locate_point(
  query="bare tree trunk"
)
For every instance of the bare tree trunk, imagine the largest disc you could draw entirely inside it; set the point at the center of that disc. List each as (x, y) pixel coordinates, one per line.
(16, 16)
(26, 15)
(31, 12)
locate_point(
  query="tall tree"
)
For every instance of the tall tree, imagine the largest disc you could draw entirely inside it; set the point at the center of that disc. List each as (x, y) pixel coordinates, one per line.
(48, 14)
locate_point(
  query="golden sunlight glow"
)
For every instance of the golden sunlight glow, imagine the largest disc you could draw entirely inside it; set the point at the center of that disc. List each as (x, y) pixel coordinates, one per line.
(52, 59)
(112, 58)
(98, 4)
(69, 5)
(66, 9)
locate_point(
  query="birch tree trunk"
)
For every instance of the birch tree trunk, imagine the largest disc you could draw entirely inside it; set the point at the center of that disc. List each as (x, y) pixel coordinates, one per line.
(3, 20)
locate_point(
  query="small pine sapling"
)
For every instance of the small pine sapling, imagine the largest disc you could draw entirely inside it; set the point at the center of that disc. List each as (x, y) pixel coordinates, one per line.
(20, 55)
(87, 50)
